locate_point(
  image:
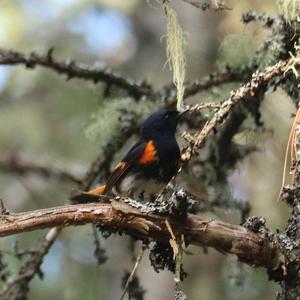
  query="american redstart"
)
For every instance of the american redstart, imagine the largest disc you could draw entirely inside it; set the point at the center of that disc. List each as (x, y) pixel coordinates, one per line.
(148, 166)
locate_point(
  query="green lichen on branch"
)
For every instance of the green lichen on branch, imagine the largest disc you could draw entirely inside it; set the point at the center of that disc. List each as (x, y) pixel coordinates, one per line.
(105, 123)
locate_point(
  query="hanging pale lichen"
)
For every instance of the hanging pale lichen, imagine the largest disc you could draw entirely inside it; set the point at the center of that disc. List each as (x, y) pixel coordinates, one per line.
(289, 8)
(175, 53)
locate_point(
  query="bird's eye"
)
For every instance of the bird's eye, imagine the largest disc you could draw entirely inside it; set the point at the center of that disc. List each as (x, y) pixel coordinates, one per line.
(167, 116)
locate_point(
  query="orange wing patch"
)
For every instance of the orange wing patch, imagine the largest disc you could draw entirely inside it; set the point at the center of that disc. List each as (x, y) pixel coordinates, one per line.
(149, 154)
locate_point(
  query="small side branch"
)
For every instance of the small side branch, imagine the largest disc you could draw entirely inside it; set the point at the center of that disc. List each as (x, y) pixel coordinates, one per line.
(132, 274)
(18, 287)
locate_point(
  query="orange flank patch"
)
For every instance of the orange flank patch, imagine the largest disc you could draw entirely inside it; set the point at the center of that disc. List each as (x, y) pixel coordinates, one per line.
(121, 165)
(98, 191)
(149, 154)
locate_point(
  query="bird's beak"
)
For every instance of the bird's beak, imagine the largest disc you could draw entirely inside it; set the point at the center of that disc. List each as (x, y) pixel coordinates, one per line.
(182, 113)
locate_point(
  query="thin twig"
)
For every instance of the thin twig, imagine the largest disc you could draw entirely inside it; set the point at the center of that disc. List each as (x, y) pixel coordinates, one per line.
(205, 105)
(131, 276)
(178, 262)
(170, 229)
(18, 287)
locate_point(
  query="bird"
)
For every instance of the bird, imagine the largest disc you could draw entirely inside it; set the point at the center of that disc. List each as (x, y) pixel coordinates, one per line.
(149, 165)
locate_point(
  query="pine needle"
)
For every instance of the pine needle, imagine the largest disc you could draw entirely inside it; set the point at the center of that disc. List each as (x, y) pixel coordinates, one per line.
(291, 149)
(175, 53)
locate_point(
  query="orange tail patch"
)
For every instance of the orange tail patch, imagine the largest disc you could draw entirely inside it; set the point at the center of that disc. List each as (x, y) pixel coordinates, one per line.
(90, 196)
(98, 191)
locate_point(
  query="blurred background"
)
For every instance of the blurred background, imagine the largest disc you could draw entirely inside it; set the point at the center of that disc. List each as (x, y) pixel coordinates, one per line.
(49, 120)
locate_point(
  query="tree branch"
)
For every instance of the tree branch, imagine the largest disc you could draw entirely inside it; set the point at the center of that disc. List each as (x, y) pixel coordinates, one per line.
(73, 69)
(248, 246)
(19, 287)
(258, 81)
(13, 163)
(222, 76)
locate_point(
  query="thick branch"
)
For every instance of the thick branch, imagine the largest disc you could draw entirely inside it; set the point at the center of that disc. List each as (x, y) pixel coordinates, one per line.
(250, 247)
(73, 69)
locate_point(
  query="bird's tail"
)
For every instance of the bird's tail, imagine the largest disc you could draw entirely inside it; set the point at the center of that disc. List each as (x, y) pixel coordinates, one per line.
(90, 196)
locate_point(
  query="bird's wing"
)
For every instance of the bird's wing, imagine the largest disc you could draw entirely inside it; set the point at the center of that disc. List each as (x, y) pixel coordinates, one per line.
(143, 152)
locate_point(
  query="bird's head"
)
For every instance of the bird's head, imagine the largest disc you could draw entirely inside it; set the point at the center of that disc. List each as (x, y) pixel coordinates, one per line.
(161, 123)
